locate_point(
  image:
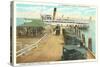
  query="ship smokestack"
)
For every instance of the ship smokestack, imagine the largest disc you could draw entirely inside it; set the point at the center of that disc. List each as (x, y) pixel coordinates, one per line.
(54, 13)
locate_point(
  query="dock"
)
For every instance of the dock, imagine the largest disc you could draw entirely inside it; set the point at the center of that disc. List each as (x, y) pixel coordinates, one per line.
(47, 41)
(50, 49)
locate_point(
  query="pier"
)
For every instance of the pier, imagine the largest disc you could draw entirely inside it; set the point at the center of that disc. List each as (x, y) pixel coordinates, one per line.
(61, 40)
(50, 47)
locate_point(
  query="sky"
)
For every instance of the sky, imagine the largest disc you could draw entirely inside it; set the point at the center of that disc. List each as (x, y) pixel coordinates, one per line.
(34, 11)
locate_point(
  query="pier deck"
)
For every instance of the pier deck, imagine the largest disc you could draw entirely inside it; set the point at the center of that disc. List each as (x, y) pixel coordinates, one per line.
(50, 49)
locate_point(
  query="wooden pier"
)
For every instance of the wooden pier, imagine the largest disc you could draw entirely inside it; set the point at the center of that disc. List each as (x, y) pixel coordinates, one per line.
(49, 49)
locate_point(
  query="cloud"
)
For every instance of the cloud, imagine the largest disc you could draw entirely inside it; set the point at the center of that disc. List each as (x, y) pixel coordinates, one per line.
(28, 14)
(34, 11)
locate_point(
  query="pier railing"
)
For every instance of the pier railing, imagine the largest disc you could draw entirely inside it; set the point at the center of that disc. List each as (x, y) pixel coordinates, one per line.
(28, 48)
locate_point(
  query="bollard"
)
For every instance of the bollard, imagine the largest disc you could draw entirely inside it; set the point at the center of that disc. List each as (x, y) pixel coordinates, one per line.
(90, 43)
(83, 39)
(75, 28)
(77, 31)
(70, 27)
(79, 34)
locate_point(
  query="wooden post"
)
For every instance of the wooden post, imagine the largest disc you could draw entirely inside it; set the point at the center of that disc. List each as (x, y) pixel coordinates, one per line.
(75, 28)
(90, 43)
(36, 31)
(83, 39)
(79, 33)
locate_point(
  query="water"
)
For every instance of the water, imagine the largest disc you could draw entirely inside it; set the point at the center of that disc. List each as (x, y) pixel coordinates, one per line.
(90, 33)
(19, 21)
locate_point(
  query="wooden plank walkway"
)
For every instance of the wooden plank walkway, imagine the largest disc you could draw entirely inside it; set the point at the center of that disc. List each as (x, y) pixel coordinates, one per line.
(49, 50)
(90, 55)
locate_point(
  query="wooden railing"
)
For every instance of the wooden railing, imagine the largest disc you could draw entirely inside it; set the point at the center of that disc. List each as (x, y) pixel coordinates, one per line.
(28, 48)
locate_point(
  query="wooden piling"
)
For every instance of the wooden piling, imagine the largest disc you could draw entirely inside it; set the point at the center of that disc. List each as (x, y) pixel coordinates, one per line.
(90, 43)
(83, 40)
(79, 33)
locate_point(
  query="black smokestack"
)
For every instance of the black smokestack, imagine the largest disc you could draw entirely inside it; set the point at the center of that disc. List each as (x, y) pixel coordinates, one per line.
(54, 13)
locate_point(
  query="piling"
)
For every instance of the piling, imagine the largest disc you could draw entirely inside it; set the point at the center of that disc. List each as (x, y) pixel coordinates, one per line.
(79, 33)
(90, 43)
(83, 40)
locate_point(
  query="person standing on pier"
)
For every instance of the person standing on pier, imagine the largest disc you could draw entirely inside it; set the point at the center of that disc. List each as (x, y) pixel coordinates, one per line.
(57, 30)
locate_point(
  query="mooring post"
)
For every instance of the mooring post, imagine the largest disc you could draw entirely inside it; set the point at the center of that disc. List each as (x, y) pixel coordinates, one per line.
(83, 40)
(90, 43)
(79, 34)
(75, 29)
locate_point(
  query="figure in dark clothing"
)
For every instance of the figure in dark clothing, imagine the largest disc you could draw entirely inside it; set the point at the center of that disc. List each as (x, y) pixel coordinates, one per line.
(57, 29)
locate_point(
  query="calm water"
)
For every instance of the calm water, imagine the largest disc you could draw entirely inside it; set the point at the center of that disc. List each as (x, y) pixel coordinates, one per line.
(19, 21)
(91, 33)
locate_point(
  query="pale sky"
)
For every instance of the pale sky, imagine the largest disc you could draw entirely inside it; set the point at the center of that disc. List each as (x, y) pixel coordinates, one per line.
(34, 11)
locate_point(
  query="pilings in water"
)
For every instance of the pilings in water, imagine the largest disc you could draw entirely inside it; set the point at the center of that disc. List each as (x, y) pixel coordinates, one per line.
(29, 31)
(85, 42)
(76, 30)
(90, 43)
